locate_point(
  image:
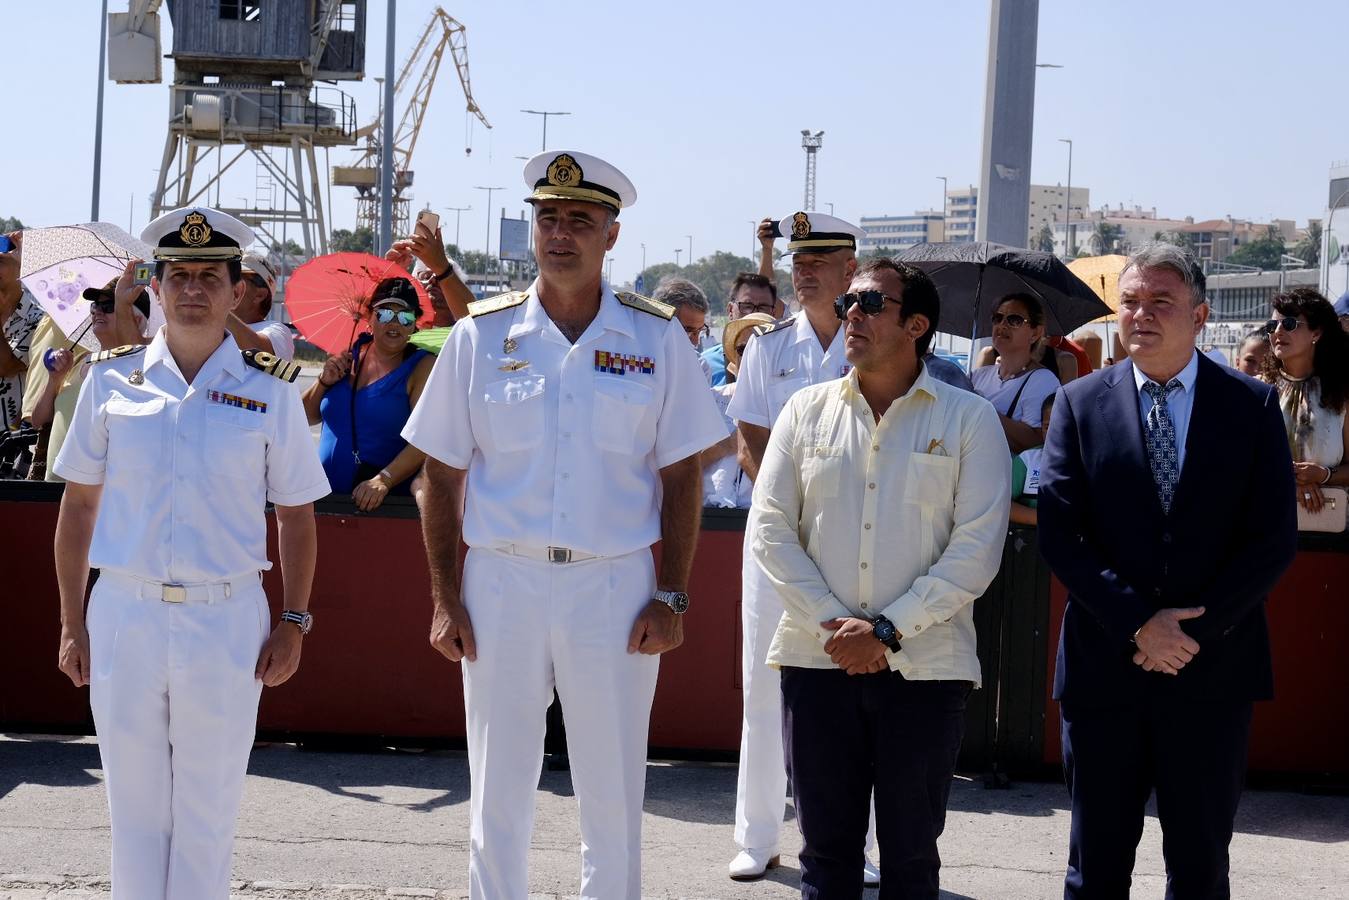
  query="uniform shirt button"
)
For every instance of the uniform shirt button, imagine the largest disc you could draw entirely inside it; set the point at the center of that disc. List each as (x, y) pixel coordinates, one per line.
(917, 628)
(864, 565)
(872, 486)
(1166, 537)
(864, 606)
(867, 526)
(569, 397)
(875, 446)
(566, 475)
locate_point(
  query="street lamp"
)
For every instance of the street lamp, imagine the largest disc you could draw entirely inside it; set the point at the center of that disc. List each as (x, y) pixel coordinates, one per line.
(1068, 242)
(644, 258)
(753, 240)
(545, 114)
(678, 250)
(690, 237)
(831, 207)
(458, 211)
(942, 179)
(487, 245)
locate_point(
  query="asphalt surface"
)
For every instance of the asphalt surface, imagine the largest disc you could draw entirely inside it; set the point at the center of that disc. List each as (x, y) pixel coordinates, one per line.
(364, 825)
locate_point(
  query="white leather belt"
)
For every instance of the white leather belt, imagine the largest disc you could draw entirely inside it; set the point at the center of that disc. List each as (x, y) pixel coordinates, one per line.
(180, 593)
(548, 554)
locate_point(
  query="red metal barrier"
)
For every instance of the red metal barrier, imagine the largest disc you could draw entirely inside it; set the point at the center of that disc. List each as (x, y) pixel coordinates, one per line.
(1304, 729)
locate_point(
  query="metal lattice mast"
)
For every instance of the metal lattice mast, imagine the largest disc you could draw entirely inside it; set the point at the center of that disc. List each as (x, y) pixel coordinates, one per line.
(811, 144)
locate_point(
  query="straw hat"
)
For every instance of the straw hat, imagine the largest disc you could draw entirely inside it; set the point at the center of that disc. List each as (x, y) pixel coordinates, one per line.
(731, 333)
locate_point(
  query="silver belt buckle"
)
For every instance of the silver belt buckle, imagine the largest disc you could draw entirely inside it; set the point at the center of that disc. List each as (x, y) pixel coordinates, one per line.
(559, 555)
(173, 593)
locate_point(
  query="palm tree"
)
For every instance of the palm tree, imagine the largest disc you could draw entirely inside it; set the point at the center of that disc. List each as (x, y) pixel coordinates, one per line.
(1105, 237)
(1044, 239)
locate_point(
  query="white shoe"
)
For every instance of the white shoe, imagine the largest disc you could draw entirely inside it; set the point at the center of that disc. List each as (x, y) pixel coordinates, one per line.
(871, 875)
(750, 865)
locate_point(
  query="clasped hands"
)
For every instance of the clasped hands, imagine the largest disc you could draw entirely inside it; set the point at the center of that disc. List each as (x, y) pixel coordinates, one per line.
(854, 647)
(1163, 646)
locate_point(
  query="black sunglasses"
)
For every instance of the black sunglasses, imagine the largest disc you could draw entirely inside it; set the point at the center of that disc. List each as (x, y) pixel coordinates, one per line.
(1288, 323)
(1013, 320)
(107, 307)
(871, 302)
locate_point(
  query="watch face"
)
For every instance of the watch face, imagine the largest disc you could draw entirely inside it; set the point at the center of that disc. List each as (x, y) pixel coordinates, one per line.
(679, 602)
(885, 632)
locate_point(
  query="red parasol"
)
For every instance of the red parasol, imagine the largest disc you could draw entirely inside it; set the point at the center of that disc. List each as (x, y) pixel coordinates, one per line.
(328, 298)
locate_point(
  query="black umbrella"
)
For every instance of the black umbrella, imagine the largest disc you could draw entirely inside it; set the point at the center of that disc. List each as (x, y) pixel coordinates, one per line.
(973, 277)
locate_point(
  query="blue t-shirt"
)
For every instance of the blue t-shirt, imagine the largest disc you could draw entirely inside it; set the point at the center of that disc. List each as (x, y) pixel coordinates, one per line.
(382, 409)
(715, 357)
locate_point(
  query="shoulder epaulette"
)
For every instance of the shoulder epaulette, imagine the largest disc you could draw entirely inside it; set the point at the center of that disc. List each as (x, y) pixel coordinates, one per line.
(507, 300)
(779, 325)
(645, 304)
(117, 352)
(273, 365)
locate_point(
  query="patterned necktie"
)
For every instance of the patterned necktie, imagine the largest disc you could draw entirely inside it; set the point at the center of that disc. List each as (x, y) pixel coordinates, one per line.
(1161, 441)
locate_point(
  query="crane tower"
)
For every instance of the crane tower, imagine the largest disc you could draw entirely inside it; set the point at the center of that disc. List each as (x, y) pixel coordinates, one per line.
(810, 142)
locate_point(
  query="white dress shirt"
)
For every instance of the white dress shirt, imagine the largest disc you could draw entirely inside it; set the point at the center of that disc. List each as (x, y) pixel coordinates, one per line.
(904, 518)
(561, 450)
(779, 363)
(283, 343)
(187, 470)
(1180, 403)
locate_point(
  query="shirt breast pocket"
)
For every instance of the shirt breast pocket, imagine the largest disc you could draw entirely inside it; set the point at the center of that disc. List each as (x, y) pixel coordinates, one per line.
(930, 480)
(780, 391)
(135, 433)
(515, 412)
(821, 471)
(620, 404)
(237, 440)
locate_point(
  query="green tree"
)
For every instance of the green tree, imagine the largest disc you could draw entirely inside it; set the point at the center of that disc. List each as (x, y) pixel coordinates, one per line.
(1180, 239)
(714, 274)
(1263, 253)
(289, 248)
(10, 224)
(1044, 239)
(362, 240)
(1309, 248)
(1105, 238)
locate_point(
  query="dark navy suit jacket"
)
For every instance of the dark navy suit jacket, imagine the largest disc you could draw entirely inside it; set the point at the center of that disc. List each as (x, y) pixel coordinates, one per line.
(1231, 533)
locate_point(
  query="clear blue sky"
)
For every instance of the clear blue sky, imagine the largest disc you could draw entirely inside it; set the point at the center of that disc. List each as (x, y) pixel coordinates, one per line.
(1195, 108)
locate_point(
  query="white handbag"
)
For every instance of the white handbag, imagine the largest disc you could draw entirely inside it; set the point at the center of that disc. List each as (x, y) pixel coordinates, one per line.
(1331, 518)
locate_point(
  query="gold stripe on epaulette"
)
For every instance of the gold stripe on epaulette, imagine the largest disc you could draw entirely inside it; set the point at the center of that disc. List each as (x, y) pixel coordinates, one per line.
(117, 352)
(496, 304)
(779, 325)
(646, 304)
(273, 365)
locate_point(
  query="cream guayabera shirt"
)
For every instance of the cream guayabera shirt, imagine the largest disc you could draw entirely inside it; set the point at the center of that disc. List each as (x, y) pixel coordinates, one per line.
(905, 519)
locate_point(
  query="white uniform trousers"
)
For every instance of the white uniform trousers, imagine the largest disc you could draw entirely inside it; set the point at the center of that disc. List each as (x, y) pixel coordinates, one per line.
(175, 707)
(761, 783)
(538, 625)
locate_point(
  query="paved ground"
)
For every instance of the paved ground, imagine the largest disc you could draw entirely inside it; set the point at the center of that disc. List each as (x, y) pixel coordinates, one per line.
(361, 826)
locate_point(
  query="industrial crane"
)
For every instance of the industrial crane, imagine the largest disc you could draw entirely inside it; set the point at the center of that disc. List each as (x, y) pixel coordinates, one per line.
(442, 32)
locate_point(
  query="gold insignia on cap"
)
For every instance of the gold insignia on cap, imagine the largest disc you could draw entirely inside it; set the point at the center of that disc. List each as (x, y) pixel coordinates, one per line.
(800, 225)
(195, 232)
(564, 171)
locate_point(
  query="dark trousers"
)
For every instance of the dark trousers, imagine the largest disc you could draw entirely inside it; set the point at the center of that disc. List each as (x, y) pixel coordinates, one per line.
(847, 735)
(1193, 754)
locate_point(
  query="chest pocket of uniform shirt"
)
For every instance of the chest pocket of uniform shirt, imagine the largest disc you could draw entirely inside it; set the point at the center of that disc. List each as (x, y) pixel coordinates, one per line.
(515, 412)
(930, 480)
(237, 440)
(620, 404)
(135, 432)
(821, 471)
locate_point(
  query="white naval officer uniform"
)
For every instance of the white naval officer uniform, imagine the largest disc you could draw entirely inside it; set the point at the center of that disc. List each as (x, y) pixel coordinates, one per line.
(178, 615)
(777, 363)
(563, 445)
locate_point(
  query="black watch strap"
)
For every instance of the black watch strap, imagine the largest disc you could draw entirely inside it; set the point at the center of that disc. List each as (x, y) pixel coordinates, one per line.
(449, 270)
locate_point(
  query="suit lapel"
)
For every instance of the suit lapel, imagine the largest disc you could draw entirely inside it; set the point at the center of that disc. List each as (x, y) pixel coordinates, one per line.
(1119, 405)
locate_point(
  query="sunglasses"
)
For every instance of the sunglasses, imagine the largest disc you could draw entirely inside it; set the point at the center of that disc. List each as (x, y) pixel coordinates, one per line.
(404, 317)
(255, 280)
(107, 307)
(1013, 320)
(1288, 323)
(871, 302)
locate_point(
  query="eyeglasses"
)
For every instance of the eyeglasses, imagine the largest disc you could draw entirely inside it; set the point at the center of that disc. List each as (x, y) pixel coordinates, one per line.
(1013, 320)
(107, 307)
(697, 333)
(405, 317)
(746, 309)
(871, 302)
(256, 280)
(1288, 323)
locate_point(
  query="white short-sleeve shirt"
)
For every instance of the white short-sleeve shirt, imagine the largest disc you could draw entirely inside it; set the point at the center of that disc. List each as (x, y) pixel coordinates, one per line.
(187, 470)
(779, 363)
(1039, 384)
(564, 442)
(283, 343)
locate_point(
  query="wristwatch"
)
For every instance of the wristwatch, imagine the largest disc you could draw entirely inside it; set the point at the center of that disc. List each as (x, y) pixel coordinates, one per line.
(449, 272)
(678, 601)
(884, 630)
(303, 620)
